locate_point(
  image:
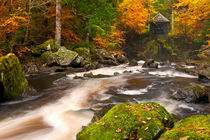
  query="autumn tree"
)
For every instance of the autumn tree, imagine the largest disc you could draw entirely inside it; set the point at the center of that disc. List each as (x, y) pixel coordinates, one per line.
(135, 14)
(13, 16)
(192, 17)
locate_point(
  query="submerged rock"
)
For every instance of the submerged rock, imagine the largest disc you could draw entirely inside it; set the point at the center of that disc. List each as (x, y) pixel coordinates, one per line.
(12, 80)
(193, 128)
(150, 63)
(130, 121)
(192, 94)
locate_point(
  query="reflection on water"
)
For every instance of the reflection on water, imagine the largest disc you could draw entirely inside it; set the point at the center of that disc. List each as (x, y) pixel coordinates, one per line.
(63, 104)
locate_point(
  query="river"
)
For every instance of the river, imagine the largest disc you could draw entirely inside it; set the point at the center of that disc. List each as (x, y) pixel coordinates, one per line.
(63, 104)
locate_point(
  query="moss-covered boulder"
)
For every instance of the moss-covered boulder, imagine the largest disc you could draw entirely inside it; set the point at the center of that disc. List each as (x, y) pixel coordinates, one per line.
(65, 57)
(84, 52)
(192, 94)
(48, 58)
(12, 81)
(48, 45)
(196, 127)
(130, 121)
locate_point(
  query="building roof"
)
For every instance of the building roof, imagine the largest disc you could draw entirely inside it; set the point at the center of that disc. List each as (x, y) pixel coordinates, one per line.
(160, 18)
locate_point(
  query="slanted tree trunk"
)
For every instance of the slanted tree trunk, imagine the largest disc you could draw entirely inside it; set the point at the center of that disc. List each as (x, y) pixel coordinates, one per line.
(58, 24)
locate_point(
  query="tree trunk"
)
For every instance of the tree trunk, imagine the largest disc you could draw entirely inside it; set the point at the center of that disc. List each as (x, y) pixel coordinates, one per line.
(58, 23)
(172, 20)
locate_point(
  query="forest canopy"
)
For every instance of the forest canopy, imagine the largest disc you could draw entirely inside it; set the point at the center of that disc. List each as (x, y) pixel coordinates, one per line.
(96, 23)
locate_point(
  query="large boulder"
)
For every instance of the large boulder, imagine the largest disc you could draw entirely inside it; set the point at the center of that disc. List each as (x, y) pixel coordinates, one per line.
(65, 57)
(193, 128)
(49, 58)
(192, 94)
(130, 121)
(104, 57)
(12, 80)
(48, 45)
(150, 63)
(121, 58)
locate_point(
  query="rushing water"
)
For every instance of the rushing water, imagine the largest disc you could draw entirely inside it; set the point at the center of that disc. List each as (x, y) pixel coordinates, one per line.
(64, 105)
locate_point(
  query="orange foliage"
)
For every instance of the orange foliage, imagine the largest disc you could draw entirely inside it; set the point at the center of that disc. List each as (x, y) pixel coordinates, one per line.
(136, 13)
(191, 16)
(69, 24)
(13, 16)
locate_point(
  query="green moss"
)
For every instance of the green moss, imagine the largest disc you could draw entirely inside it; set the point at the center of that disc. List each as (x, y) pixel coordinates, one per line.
(84, 52)
(46, 43)
(193, 128)
(197, 90)
(48, 58)
(131, 121)
(12, 77)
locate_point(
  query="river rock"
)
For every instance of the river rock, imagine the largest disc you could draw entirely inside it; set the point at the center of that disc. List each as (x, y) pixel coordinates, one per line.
(65, 57)
(192, 94)
(100, 113)
(121, 58)
(193, 128)
(150, 63)
(204, 75)
(78, 62)
(104, 57)
(129, 121)
(133, 62)
(12, 80)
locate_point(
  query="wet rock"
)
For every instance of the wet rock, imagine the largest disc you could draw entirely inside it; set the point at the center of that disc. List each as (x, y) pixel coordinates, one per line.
(78, 62)
(104, 57)
(116, 73)
(91, 75)
(193, 128)
(100, 113)
(127, 71)
(204, 75)
(191, 71)
(31, 68)
(133, 121)
(150, 63)
(192, 94)
(133, 62)
(12, 80)
(121, 58)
